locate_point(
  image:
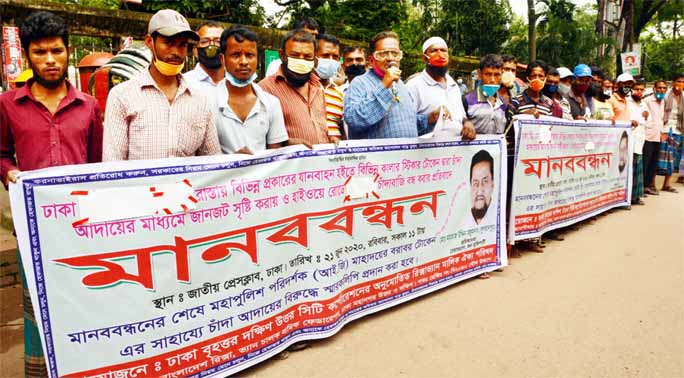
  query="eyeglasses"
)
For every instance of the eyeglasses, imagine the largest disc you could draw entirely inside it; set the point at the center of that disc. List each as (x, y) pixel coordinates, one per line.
(384, 54)
(204, 42)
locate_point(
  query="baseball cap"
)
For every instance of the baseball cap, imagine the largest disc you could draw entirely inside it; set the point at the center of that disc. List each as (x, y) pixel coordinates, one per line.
(624, 77)
(582, 70)
(168, 23)
(564, 72)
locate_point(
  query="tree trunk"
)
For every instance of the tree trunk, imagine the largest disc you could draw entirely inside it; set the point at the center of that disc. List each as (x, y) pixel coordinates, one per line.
(531, 31)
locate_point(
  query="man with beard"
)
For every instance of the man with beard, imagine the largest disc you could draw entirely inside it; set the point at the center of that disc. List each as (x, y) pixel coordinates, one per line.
(46, 123)
(377, 103)
(248, 119)
(209, 71)
(481, 188)
(623, 151)
(299, 90)
(434, 88)
(580, 106)
(157, 114)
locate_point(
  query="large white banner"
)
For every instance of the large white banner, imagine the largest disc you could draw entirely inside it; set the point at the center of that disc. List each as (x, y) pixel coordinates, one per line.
(205, 266)
(567, 171)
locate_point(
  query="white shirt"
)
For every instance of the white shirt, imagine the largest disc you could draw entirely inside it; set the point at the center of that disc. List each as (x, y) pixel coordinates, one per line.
(488, 219)
(672, 121)
(199, 79)
(264, 123)
(273, 67)
(638, 133)
(428, 94)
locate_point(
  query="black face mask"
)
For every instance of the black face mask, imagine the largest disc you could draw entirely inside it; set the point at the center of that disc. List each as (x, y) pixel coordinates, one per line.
(296, 80)
(436, 71)
(355, 70)
(594, 90)
(625, 91)
(209, 57)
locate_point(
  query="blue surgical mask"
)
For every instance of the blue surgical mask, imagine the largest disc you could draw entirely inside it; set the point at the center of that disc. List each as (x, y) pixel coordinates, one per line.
(660, 96)
(240, 83)
(327, 68)
(489, 90)
(552, 88)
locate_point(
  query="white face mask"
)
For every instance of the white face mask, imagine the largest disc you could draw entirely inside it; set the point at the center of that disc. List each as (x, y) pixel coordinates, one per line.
(563, 89)
(508, 79)
(300, 66)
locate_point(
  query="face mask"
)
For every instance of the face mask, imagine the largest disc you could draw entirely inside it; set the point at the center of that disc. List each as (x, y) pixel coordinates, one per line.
(460, 81)
(490, 90)
(564, 89)
(660, 96)
(537, 85)
(551, 89)
(355, 70)
(168, 69)
(607, 92)
(327, 68)
(581, 88)
(437, 60)
(295, 79)
(508, 79)
(240, 83)
(300, 66)
(625, 91)
(209, 57)
(636, 97)
(678, 87)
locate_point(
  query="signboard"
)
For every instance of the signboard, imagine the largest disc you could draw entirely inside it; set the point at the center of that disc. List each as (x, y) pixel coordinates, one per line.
(204, 266)
(567, 171)
(631, 60)
(12, 61)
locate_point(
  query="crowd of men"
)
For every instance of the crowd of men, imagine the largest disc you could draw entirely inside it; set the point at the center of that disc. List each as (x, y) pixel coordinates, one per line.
(307, 98)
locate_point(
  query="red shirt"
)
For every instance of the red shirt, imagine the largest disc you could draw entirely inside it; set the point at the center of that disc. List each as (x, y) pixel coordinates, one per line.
(73, 135)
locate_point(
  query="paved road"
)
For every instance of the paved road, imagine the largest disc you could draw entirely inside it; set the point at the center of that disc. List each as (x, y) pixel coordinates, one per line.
(606, 302)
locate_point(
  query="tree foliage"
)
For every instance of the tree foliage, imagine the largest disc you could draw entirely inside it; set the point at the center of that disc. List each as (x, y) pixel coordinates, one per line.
(248, 12)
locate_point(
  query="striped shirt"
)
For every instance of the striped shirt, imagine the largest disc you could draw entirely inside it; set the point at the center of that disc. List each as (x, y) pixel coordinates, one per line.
(524, 104)
(140, 123)
(304, 118)
(334, 105)
(373, 111)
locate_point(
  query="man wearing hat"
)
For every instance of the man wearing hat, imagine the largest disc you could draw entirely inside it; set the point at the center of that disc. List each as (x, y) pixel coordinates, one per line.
(580, 106)
(618, 100)
(434, 88)
(156, 114)
(377, 104)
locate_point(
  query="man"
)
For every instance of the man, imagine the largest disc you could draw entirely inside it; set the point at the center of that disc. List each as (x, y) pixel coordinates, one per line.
(377, 103)
(307, 24)
(299, 90)
(434, 87)
(654, 126)
(509, 80)
(566, 77)
(638, 114)
(156, 114)
(249, 119)
(45, 123)
(328, 64)
(623, 152)
(461, 85)
(551, 91)
(354, 63)
(580, 106)
(209, 72)
(483, 106)
(618, 101)
(532, 100)
(481, 188)
(674, 119)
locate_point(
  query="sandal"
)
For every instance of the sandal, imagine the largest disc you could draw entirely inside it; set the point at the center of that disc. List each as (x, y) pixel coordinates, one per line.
(484, 276)
(670, 189)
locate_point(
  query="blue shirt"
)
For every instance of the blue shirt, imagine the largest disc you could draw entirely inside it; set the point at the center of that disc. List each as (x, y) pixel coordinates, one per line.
(372, 112)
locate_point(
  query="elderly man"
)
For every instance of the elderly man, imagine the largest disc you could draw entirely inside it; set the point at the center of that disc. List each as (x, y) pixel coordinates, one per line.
(377, 103)
(434, 88)
(157, 114)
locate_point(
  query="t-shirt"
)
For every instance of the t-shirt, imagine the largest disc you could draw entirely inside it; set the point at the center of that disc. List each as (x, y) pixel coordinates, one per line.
(603, 111)
(672, 121)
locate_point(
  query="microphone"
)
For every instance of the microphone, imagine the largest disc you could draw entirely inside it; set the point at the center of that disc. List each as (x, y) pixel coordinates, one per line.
(394, 66)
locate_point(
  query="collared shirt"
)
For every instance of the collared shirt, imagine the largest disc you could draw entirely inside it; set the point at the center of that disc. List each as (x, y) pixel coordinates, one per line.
(428, 94)
(200, 80)
(264, 123)
(487, 118)
(636, 113)
(334, 109)
(489, 218)
(304, 118)
(523, 103)
(39, 139)
(140, 123)
(580, 106)
(619, 105)
(565, 107)
(654, 123)
(373, 111)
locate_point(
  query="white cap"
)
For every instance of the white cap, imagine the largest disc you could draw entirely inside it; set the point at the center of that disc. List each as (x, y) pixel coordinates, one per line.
(434, 41)
(564, 72)
(168, 23)
(624, 77)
